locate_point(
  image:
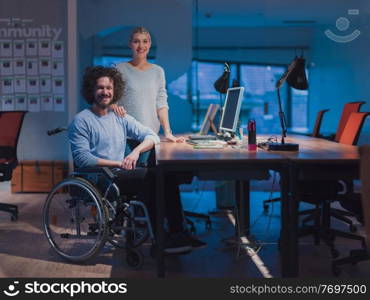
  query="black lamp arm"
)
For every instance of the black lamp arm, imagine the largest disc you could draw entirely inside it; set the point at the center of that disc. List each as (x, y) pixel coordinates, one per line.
(281, 117)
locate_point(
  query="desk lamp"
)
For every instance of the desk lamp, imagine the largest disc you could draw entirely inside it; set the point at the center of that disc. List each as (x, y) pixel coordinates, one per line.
(295, 76)
(222, 83)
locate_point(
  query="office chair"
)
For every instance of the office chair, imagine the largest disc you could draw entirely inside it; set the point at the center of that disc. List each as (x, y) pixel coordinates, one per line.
(321, 194)
(340, 214)
(360, 254)
(10, 124)
(315, 133)
(349, 108)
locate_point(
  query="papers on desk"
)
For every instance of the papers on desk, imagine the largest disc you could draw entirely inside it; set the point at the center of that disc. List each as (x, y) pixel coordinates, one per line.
(206, 144)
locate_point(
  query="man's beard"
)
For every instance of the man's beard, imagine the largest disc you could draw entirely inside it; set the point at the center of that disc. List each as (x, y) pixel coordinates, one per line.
(103, 105)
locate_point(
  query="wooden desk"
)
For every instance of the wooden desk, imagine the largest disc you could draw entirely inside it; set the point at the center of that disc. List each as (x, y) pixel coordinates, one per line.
(316, 156)
(317, 159)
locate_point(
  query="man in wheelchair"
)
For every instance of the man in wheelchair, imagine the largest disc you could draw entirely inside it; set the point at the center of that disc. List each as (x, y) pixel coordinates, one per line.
(98, 138)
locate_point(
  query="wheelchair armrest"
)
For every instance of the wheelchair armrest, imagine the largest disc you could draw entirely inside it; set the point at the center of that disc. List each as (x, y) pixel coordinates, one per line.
(7, 152)
(91, 170)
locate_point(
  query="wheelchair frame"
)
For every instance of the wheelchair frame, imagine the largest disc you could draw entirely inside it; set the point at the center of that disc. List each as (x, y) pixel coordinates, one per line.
(78, 219)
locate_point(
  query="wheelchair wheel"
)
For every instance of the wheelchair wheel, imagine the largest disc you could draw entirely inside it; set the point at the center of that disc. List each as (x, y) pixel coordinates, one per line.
(75, 220)
(134, 258)
(132, 233)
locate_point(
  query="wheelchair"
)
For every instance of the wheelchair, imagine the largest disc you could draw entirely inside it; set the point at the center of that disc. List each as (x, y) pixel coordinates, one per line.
(86, 210)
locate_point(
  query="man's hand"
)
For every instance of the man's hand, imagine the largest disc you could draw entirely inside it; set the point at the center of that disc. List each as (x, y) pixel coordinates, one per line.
(171, 138)
(118, 110)
(129, 162)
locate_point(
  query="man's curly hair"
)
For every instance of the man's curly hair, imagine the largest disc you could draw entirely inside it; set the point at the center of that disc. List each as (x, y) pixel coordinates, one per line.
(92, 74)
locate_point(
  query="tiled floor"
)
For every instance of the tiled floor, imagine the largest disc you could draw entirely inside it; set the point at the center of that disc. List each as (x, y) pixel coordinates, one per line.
(24, 251)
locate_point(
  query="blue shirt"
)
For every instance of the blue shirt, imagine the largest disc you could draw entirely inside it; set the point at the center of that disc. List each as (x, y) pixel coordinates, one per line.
(93, 137)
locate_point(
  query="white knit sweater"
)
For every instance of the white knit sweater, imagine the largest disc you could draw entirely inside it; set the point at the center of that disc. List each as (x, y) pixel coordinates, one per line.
(145, 92)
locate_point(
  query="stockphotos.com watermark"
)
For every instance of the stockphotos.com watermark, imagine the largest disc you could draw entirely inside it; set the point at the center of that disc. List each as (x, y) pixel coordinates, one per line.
(65, 288)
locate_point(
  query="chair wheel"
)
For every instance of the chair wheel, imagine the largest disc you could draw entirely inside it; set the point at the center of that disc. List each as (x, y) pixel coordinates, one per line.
(134, 258)
(153, 251)
(208, 224)
(352, 228)
(334, 253)
(335, 270)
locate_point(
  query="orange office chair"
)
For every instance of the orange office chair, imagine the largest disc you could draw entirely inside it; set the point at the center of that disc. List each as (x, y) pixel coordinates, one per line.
(349, 108)
(330, 191)
(317, 127)
(360, 254)
(10, 124)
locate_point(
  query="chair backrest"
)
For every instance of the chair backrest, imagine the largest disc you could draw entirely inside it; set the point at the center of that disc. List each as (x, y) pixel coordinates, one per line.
(365, 189)
(349, 108)
(10, 124)
(316, 128)
(352, 130)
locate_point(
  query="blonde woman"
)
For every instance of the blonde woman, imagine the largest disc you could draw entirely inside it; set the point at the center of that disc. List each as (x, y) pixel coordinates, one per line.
(145, 95)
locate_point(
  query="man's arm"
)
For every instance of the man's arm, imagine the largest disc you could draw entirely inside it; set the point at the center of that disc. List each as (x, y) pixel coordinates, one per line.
(129, 162)
(141, 133)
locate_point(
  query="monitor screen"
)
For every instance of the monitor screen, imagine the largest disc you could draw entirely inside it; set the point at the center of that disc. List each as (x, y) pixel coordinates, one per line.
(231, 111)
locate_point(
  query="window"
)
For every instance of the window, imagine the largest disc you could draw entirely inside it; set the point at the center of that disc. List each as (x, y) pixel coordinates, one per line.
(260, 98)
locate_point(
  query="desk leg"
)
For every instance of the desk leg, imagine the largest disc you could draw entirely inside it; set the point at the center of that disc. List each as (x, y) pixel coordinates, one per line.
(294, 226)
(160, 221)
(284, 242)
(242, 195)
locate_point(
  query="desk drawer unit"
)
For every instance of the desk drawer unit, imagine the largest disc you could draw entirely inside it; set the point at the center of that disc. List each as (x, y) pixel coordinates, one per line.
(37, 176)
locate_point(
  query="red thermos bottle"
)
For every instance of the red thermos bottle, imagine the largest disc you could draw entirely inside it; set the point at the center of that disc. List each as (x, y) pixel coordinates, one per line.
(252, 144)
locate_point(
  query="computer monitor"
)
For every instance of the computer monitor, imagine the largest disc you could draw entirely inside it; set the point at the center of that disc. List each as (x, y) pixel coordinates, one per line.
(231, 111)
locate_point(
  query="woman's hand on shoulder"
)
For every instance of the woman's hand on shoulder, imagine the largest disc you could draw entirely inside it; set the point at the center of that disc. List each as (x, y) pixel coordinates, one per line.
(171, 138)
(118, 110)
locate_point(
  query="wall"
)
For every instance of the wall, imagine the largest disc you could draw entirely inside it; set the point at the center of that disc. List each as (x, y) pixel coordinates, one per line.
(170, 23)
(34, 144)
(340, 73)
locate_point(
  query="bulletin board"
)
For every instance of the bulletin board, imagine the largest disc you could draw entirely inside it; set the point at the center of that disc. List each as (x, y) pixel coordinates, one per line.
(32, 66)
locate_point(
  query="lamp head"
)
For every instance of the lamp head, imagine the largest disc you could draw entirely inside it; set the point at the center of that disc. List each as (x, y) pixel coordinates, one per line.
(297, 76)
(222, 83)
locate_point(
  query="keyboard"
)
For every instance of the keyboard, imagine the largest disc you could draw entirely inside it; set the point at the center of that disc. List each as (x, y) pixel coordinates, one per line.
(208, 146)
(202, 137)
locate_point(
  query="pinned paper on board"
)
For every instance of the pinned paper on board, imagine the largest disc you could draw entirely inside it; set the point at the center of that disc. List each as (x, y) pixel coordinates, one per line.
(31, 47)
(58, 85)
(44, 48)
(59, 103)
(31, 66)
(19, 84)
(33, 85)
(58, 67)
(33, 103)
(45, 65)
(7, 85)
(8, 103)
(45, 84)
(6, 67)
(58, 49)
(19, 65)
(6, 48)
(20, 102)
(18, 48)
(46, 102)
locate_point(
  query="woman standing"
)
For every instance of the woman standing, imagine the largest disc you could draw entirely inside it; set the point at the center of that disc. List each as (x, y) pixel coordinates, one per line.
(145, 96)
